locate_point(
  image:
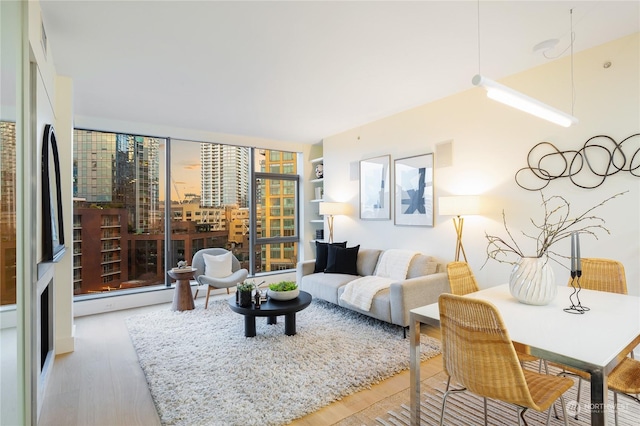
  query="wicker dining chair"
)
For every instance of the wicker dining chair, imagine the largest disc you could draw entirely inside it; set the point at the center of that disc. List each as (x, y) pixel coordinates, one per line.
(600, 275)
(461, 278)
(603, 275)
(477, 353)
(462, 281)
(624, 379)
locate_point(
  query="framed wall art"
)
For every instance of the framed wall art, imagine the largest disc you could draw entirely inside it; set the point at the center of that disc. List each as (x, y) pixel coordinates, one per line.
(414, 190)
(53, 247)
(375, 195)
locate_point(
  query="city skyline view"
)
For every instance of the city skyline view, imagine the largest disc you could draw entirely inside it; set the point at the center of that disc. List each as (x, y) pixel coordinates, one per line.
(120, 215)
(186, 170)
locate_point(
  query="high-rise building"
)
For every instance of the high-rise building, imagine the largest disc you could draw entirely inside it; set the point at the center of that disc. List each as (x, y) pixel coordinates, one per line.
(276, 210)
(225, 175)
(119, 170)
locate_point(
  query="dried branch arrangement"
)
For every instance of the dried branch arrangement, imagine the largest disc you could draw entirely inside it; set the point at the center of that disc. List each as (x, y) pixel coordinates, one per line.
(557, 224)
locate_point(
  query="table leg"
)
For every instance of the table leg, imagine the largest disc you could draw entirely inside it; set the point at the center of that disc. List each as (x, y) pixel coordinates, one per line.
(249, 326)
(272, 320)
(414, 370)
(290, 324)
(599, 394)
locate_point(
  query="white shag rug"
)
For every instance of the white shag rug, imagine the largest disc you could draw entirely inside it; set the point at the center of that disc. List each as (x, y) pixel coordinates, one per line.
(201, 369)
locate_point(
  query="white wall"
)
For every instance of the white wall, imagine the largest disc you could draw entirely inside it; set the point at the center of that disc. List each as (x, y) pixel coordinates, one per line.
(64, 328)
(49, 103)
(490, 143)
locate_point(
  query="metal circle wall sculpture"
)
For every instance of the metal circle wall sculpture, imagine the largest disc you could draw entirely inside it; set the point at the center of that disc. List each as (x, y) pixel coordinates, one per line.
(600, 157)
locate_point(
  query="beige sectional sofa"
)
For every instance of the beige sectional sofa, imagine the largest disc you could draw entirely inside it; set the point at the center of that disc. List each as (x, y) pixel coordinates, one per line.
(426, 279)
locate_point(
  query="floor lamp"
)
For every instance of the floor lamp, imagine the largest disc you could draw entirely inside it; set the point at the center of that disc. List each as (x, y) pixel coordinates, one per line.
(330, 210)
(458, 206)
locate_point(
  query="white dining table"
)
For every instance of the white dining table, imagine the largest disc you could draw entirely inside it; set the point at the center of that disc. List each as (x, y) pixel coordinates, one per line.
(595, 341)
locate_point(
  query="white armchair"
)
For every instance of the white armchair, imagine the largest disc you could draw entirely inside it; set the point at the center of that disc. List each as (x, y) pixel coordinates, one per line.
(213, 270)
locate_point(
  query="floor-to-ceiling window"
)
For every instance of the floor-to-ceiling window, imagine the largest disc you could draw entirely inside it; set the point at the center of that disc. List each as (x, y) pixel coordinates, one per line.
(118, 218)
(276, 201)
(209, 199)
(123, 198)
(211, 203)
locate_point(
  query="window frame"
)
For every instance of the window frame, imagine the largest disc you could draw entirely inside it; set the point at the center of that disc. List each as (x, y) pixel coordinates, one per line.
(254, 240)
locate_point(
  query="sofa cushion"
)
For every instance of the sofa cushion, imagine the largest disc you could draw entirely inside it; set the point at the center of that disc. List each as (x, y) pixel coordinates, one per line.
(367, 261)
(342, 260)
(324, 286)
(322, 253)
(422, 265)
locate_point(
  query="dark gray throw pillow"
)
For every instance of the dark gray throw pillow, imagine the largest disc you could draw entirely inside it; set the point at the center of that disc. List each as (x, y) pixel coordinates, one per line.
(321, 254)
(342, 260)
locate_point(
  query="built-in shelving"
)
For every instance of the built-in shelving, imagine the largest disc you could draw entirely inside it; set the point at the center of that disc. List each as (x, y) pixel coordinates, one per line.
(318, 195)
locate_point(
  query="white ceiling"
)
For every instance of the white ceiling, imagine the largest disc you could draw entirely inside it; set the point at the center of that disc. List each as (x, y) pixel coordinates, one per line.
(301, 71)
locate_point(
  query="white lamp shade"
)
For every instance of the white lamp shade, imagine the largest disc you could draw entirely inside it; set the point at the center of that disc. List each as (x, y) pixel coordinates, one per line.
(459, 205)
(332, 209)
(515, 99)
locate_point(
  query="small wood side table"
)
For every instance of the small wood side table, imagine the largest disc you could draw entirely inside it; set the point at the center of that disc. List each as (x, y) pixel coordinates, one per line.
(182, 298)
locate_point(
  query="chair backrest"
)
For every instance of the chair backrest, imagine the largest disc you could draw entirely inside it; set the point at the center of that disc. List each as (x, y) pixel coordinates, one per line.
(603, 275)
(198, 260)
(477, 351)
(461, 279)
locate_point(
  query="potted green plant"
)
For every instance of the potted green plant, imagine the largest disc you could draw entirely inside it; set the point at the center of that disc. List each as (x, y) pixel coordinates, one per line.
(243, 293)
(283, 290)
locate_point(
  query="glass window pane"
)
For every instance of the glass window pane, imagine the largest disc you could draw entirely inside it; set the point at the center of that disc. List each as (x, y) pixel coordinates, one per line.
(118, 220)
(209, 199)
(8, 213)
(276, 206)
(277, 256)
(277, 162)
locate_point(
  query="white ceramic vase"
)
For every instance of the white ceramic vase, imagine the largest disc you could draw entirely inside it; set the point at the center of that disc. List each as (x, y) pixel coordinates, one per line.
(532, 281)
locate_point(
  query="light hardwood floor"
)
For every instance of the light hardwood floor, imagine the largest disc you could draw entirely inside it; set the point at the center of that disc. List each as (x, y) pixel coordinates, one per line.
(101, 382)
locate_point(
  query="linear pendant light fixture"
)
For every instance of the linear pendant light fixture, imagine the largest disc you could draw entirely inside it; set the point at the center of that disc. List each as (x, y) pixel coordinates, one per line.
(515, 99)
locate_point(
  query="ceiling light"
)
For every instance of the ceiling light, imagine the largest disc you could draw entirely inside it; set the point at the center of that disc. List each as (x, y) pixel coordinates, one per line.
(520, 101)
(546, 45)
(515, 99)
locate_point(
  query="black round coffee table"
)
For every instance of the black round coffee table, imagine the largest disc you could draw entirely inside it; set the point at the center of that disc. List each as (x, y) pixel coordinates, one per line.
(272, 309)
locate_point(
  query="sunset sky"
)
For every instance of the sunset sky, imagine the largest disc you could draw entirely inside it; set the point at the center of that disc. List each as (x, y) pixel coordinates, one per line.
(185, 168)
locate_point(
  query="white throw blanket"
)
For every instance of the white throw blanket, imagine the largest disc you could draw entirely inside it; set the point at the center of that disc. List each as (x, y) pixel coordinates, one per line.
(392, 267)
(361, 291)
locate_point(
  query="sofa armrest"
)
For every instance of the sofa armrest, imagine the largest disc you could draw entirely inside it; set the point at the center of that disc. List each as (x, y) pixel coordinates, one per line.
(415, 292)
(306, 267)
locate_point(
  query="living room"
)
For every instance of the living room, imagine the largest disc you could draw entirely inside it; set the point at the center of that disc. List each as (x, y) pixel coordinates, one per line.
(485, 144)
